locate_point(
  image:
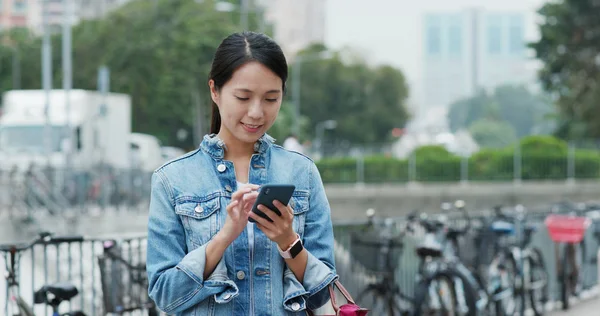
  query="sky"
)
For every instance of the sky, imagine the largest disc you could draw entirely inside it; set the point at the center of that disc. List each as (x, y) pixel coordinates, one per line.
(389, 31)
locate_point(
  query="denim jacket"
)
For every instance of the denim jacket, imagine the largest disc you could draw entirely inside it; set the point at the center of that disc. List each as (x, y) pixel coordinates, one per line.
(187, 208)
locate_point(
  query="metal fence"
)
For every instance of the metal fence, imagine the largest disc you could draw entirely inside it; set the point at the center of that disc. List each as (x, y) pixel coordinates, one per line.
(407, 260)
(106, 287)
(83, 265)
(369, 165)
(59, 192)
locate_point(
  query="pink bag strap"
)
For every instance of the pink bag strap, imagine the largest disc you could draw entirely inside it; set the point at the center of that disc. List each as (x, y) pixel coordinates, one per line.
(342, 290)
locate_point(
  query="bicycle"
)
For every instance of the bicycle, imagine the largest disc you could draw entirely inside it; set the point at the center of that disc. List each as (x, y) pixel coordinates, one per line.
(523, 262)
(445, 285)
(387, 240)
(52, 295)
(567, 226)
(116, 301)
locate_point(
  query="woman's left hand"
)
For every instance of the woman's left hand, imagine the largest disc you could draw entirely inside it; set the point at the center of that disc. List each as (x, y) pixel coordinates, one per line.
(281, 230)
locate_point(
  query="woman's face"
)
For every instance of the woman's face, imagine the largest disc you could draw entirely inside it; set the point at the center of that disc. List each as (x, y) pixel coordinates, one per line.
(249, 102)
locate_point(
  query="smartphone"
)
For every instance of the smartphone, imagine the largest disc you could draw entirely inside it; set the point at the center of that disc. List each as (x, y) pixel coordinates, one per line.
(269, 193)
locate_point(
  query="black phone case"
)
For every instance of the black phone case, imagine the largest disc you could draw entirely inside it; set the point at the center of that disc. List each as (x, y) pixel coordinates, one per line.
(270, 192)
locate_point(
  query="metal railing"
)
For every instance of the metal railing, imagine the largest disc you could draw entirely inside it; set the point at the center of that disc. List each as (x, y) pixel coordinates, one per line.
(83, 264)
(57, 192)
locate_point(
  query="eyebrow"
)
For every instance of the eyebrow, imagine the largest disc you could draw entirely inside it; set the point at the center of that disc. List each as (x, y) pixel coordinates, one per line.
(250, 91)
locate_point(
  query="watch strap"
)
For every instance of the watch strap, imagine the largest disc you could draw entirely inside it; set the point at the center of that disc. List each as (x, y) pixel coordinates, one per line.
(293, 250)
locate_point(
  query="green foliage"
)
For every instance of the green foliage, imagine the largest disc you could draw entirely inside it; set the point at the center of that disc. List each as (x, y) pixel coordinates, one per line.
(282, 127)
(513, 105)
(366, 102)
(568, 48)
(543, 158)
(543, 145)
(159, 52)
(492, 133)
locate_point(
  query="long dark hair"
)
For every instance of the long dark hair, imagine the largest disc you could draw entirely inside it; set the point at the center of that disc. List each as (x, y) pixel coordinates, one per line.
(235, 51)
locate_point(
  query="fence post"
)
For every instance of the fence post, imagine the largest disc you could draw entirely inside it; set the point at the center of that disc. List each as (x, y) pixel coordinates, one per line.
(360, 170)
(517, 164)
(464, 170)
(571, 165)
(412, 168)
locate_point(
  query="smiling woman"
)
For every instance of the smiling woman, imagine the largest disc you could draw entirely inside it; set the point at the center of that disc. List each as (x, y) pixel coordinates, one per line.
(204, 255)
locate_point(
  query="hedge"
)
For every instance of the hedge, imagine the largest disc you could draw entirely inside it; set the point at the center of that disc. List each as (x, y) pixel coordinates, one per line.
(543, 158)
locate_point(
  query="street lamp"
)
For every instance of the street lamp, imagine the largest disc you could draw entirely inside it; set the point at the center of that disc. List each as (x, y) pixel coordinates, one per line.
(298, 60)
(320, 130)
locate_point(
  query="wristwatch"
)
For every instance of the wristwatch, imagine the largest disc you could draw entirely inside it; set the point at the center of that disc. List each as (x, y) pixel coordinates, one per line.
(292, 250)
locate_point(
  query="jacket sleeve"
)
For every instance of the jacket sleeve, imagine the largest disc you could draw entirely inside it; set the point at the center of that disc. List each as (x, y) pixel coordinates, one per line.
(318, 240)
(175, 275)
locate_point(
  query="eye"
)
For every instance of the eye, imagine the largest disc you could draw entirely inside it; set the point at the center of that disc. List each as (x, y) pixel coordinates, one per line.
(242, 99)
(272, 100)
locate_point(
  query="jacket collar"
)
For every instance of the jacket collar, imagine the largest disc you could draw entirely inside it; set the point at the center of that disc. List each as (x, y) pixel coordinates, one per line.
(215, 147)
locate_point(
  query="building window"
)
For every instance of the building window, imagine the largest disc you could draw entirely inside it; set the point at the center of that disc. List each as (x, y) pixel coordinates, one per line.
(433, 35)
(19, 6)
(455, 37)
(494, 35)
(516, 39)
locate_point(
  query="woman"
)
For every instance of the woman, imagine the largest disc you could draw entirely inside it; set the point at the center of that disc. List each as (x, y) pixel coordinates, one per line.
(204, 256)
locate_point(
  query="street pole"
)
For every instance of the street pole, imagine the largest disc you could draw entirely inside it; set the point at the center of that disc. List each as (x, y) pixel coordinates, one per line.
(16, 72)
(67, 74)
(46, 77)
(296, 93)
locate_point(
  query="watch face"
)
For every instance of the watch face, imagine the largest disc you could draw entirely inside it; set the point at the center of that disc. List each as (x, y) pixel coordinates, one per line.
(296, 249)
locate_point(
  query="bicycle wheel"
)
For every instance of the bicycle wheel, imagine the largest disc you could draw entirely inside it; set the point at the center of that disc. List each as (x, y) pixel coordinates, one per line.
(503, 275)
(538, 283)
(437, 297)
(24, 309)
(571, 276)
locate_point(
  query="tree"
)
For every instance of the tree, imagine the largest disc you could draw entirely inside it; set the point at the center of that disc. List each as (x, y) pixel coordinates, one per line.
(525, 112)
(159, 52)
(492, 133)
(464, 112)
(568, 49)
(366, 102)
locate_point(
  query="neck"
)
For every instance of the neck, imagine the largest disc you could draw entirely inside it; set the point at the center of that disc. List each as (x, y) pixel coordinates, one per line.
(236, 149)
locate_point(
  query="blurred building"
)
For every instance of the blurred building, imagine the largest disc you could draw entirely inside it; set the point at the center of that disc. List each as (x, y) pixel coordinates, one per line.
(472, 49)
(14, 13)
(297, 24)
(29, 13)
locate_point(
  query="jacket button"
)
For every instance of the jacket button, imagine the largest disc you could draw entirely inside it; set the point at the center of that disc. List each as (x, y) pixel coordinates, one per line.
(241, 275)
(227, 296)
(198, 209)
(221, 168)
(296, 306)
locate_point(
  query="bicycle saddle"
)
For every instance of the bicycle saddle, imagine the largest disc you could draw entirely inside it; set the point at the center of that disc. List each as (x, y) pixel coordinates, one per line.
(55, 292)
(430, 247)
(503, 227)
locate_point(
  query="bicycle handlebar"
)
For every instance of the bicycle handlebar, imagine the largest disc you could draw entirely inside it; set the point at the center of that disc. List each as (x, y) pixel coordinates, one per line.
(44, 238)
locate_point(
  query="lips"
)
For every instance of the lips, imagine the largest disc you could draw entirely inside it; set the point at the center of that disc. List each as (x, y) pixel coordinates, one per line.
(251, 128)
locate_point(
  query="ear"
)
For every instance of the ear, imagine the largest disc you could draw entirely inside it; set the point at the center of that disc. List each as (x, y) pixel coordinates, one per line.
(214, 93)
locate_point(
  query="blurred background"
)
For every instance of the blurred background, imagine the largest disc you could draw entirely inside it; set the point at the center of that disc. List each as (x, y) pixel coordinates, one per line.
(402, 104)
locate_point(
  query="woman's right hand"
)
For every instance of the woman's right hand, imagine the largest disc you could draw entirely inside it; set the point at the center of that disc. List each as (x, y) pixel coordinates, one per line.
(238, 211)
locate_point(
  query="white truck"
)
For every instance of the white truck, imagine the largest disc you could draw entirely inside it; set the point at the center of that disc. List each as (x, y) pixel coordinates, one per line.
(100, 127)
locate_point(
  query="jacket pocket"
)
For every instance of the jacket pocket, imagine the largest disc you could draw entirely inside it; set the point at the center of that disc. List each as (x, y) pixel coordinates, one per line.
(200, 217)
(300, 205)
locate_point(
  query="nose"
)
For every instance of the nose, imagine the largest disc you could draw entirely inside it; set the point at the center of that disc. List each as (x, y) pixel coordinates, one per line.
(255, 110)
